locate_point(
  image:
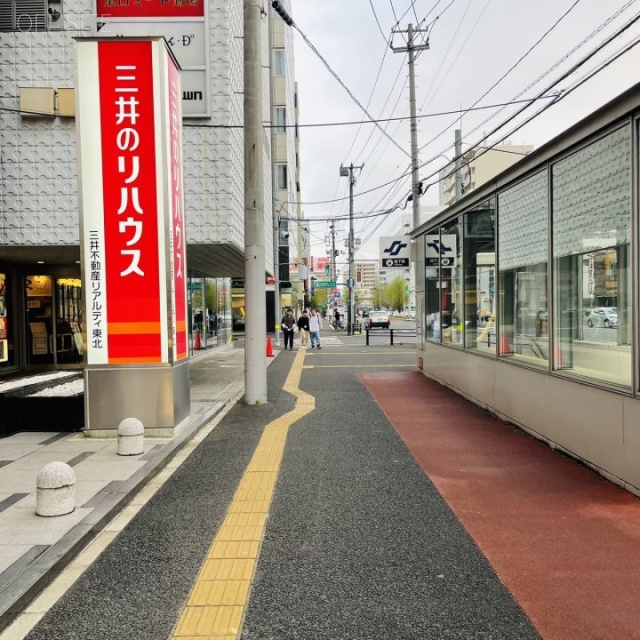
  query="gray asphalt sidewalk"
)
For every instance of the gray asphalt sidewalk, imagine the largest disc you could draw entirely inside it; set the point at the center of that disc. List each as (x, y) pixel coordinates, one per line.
(33, 550)
(358, 543)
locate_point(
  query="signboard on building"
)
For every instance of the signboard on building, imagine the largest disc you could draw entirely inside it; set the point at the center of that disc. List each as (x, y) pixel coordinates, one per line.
(395, 252)
(150, 8)
(441, 250)
(183, 25)
(133, 235)
(321, 265)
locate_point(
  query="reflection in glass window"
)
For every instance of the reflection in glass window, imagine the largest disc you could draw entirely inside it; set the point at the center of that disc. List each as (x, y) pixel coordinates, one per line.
(451, 283)
(523, 248)
(279, 62)
(432, 287)
(591, 235)
(281, 119)
(479, 278)
(281, 177)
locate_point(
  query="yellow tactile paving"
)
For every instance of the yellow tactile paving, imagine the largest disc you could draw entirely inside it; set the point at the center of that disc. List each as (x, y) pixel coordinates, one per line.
(233, 569)
(216, 605)
(208, 621)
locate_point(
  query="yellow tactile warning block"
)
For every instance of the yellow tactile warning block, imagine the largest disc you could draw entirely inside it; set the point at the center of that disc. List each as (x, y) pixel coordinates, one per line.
(216, 605)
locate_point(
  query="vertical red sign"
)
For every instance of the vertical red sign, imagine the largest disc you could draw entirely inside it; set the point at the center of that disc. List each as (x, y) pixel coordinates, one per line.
(177, 232)
(131, 215)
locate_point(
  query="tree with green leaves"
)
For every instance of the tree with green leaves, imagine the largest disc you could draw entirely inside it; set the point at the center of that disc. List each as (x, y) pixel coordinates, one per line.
(396, 294)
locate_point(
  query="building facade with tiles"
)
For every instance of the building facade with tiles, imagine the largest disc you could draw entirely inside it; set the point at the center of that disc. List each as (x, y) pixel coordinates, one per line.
(40, 283)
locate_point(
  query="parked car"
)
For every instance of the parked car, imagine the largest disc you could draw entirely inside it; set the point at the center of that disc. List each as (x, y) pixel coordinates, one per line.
(603, 317)
(238, 322)
(379, 319)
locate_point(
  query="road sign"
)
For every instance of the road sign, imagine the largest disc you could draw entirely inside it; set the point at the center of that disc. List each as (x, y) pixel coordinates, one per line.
(395, 252)
(326, 284)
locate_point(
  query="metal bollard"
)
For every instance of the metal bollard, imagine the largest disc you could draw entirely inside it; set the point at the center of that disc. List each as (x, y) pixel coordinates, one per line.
(130, 437)
(56, 490)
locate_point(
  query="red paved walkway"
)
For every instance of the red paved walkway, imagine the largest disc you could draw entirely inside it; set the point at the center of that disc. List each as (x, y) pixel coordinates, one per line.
(564, 541)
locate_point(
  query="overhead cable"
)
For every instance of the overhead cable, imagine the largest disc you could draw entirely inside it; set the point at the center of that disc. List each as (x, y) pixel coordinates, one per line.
(344, 86)
(546, 90)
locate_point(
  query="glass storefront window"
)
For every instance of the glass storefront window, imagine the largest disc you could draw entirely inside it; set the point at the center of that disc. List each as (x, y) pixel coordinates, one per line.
(53, 320)
(522, 254)
(39, 312)
(480, 278)
(209, 311)
(451, 283)
(591, 249)
(432, 287)
(69, 347)
(7, 351)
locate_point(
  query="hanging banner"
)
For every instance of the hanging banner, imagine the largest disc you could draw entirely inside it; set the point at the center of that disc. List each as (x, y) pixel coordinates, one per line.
(131, 201)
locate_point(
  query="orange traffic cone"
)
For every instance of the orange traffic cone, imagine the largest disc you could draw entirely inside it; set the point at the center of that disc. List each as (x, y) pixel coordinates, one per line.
(197, 345)
(269, 347)
(557, 355)
(505, 349)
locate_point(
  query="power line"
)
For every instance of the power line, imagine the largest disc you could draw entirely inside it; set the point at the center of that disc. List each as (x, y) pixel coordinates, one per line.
(555, 65)
(375, 15)
(504, 75)
(375, 84)
(460, 50)
(344, 86)
(561, 60)
(393, 10)
(346, 123)
(557, 99)
(578, 83)
(451, 41)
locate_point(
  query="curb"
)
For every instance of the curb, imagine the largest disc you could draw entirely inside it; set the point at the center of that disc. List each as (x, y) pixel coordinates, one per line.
(40, 571)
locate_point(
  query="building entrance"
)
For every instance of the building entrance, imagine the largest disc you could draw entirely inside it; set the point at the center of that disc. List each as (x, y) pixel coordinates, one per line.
(53, 320)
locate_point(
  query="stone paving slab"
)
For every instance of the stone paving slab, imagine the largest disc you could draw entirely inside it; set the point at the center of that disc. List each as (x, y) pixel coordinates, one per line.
(34, 549)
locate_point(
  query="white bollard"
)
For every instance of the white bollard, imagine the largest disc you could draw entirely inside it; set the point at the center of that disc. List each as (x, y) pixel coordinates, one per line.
(56, 490)
(130, 437)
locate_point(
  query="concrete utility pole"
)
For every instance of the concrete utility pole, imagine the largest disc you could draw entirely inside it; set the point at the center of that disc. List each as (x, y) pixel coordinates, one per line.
(348, 172)
(276, 214)
(276, 270)
(411, 47)
(332, 260)
(255, 356)
(458, 164)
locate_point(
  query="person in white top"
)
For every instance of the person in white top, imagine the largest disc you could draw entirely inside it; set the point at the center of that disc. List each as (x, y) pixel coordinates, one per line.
(314, 328)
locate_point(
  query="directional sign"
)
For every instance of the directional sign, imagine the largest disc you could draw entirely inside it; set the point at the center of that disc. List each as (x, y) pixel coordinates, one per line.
(327, 284)
(395, 252)
(441, 250)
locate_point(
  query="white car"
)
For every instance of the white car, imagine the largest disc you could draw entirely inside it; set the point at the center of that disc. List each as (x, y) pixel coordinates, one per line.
(379, 319)
(603, 317)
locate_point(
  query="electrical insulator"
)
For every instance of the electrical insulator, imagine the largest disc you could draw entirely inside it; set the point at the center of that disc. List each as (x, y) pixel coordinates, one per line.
(281, 12)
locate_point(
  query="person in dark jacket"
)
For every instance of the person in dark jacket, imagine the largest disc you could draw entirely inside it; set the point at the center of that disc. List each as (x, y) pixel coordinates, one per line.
(303, 328)
(288, 325)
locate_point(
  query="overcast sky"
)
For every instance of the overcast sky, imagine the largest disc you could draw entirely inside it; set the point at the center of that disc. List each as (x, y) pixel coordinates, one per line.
(472, 44)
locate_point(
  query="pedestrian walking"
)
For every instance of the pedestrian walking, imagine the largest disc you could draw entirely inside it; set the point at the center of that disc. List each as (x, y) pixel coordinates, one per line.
(336, 319)
(303, 328)
(288, 327)
(314, 328)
